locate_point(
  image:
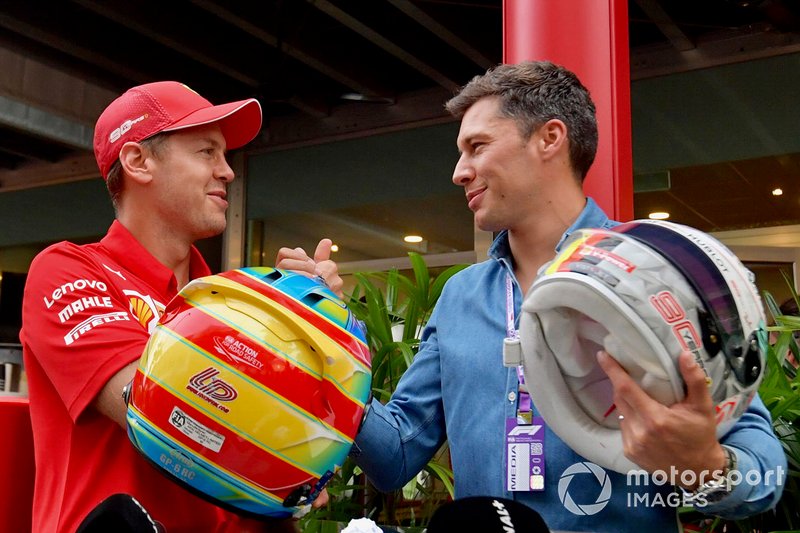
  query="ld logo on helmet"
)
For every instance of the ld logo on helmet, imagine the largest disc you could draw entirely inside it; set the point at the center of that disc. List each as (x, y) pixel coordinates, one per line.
(582, 469)
(208, 386)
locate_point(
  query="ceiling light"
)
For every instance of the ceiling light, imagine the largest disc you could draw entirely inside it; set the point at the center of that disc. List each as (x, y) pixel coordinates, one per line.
(334, 247)
(366, 98)
(658, 215)
(777, 192)
(413, 238)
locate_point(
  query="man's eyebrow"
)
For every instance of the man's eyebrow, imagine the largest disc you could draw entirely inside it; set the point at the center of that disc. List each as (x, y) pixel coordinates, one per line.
(468, 138)
(465, 139)
(213, 142)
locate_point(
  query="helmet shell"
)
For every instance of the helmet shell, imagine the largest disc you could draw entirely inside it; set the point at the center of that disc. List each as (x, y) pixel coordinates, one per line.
(645, 292)
(251, 389)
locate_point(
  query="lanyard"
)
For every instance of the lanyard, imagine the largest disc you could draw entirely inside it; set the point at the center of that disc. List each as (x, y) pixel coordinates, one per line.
(511, 329)
(524, 433)
(512, 336)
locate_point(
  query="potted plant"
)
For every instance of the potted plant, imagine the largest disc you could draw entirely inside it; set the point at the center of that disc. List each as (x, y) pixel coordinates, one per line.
(394, 308)
(780, 391)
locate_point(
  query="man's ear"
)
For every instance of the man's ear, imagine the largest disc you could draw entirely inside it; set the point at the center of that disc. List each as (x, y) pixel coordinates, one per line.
(136, 161)
(552, 138)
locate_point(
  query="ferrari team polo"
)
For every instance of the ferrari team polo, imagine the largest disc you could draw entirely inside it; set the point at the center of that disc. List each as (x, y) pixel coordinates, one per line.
(88, 311)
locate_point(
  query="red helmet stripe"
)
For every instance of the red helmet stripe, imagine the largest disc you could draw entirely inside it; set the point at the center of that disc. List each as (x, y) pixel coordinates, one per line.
(280, 375)
(236, 455)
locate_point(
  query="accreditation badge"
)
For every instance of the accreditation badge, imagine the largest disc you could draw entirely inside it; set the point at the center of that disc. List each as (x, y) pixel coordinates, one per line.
(525, 455)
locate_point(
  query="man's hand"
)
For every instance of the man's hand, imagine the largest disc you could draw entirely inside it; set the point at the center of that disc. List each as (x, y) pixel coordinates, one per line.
(659, 437)
(321, 265)
(321, 499)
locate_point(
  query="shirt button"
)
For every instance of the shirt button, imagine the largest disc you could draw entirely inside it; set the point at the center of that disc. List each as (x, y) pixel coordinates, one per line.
(512, 396)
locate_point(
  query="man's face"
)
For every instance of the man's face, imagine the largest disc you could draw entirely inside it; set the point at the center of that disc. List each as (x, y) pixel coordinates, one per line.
(497, 167)
(190, 181)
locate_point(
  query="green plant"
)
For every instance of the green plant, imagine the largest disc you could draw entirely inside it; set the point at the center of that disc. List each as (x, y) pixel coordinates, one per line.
(780, 391)
(394, 308)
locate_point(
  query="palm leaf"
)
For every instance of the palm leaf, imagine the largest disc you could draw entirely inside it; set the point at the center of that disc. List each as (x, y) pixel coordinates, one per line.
(383, 300)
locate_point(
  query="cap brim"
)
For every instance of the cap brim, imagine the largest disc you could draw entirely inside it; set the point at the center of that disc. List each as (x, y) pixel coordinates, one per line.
(239, 121)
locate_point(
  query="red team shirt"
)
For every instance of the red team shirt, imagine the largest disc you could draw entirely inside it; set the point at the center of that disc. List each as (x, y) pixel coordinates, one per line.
(87, 313)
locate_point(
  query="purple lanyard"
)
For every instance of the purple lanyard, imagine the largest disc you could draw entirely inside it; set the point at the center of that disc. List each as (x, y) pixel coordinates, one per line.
(512, 333)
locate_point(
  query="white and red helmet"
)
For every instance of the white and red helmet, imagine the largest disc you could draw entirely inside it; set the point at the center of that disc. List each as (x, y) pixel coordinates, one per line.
(643, 291)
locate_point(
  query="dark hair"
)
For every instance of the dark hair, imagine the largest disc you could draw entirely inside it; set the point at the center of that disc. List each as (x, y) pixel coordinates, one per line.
(114, 181)
(533, 92)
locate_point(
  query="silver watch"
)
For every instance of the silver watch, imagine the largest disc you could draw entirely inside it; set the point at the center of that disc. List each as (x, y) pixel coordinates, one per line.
(717, 488)
(126, 392)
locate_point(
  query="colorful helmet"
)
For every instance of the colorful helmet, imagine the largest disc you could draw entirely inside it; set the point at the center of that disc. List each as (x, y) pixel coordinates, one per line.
(251, 389)
(643, 291)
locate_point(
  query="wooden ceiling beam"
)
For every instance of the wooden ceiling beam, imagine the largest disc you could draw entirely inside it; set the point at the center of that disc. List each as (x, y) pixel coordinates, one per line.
(69, 47)
(331, 71)
(9, 160)
(443, 32)
(720, 48)
(655, 12)
(43, 124)
(385, 44)
(115, 13)
(36, 174)
(42, 152)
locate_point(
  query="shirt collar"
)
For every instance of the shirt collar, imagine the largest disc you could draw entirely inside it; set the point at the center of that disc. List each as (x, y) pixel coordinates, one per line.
(134, 257)
(591, 217)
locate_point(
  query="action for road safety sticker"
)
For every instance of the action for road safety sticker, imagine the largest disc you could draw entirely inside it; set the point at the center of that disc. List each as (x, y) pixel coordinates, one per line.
(195, 430)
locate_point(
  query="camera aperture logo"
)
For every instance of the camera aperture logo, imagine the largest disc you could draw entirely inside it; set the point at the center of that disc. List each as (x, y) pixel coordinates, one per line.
(585, 471)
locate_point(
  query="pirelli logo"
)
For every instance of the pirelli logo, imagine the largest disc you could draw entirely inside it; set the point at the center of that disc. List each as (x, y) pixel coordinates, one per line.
(93, 322)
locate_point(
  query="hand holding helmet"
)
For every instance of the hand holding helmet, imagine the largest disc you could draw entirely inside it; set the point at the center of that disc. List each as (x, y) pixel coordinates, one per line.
(655, 436)
(320, 267)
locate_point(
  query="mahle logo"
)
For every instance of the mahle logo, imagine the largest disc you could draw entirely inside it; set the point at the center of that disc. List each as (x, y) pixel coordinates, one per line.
(590, 471)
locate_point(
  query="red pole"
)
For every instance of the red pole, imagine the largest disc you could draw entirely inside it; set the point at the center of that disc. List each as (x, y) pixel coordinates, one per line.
(589, 37)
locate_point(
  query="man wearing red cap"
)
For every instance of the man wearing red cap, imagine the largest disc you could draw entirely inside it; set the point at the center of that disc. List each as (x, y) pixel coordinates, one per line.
(89, 309)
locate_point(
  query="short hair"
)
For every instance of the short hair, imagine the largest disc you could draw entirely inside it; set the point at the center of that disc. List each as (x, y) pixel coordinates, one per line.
(114, 181)
(533, 92)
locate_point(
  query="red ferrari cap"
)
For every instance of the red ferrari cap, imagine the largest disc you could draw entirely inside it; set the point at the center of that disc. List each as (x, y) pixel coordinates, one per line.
(146, 110)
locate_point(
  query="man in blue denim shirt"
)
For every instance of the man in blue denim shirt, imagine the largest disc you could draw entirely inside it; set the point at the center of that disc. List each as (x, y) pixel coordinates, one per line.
(528, 137)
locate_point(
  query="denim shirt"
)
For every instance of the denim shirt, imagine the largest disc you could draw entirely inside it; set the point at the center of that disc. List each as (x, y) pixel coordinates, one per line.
(458, 389)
